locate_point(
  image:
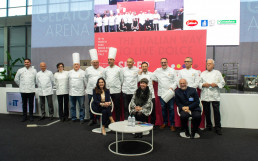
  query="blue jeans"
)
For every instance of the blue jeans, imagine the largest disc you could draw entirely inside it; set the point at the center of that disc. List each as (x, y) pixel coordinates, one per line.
(170, 106)
(73, 100)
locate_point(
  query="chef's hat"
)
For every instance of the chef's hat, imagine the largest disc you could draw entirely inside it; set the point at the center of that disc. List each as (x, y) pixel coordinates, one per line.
(124, 9)
(76, 58)
(118, 10)
(112, 53)
(111, 12)
(93, 54)
(168, 95)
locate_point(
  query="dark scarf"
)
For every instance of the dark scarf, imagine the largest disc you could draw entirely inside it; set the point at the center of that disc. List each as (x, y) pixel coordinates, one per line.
(142, 96)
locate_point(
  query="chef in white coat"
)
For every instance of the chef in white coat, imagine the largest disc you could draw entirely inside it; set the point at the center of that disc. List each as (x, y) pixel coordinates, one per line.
(105, 22)
(130, 77)
(62, 91)
(191, 75)
(45, 82)
(144, 73)
(25, 78)
(99, 23)
(77, 86)
(167, 80)
(210, 84)
(111, 22)
(92, 74)
(156, 18)
(114, 78)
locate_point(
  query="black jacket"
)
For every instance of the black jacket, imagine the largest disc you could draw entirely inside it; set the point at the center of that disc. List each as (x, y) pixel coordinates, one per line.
(97, 98)
(183, 99)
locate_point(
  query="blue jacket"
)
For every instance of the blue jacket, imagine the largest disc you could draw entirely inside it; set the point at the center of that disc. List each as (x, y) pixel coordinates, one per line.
(189, 98)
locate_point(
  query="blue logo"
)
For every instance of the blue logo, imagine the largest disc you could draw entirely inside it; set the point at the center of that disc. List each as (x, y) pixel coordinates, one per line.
(15, 102)
(204, 23)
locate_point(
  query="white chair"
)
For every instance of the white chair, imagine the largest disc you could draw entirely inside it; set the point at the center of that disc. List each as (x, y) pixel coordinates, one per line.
(182, 134)
(129, 109)
(98, 130)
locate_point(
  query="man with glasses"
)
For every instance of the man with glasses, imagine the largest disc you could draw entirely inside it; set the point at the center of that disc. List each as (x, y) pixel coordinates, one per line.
(25, 78)
(167, 80)
(191, 75)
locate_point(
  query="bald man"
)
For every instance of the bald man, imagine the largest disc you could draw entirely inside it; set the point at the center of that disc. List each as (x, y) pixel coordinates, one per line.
(188, 102)
(45, 82)
(130, 82)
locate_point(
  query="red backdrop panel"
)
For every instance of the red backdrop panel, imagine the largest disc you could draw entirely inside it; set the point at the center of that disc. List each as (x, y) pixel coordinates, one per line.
(151, 47)
(136, 6)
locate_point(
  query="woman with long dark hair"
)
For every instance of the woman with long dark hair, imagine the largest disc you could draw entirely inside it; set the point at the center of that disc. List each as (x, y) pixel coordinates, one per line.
(61, 83)
(140, 105)
(102, 103)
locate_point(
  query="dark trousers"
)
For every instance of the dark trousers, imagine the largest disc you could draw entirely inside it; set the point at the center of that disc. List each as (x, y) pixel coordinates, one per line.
(106, 113)
(127, 99)
(207, 112)
(50, 105)
(63, 104)
(106, 28)
(112, 28)
(99, 29)
(129, 27)
(196, 120)
(153, 113)
(142, 27)
(25, 98)
(139, 116)
(156, 27)
(116, 100)
(117, 28)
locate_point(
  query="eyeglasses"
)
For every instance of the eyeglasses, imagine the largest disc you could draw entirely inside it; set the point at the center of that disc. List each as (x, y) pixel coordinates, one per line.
(164, 62)
(188, 61)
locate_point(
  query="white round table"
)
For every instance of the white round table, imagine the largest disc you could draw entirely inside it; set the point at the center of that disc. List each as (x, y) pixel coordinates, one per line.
(122, 127)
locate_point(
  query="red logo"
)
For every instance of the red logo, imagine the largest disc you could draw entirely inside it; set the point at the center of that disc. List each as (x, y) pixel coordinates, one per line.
(192, 23)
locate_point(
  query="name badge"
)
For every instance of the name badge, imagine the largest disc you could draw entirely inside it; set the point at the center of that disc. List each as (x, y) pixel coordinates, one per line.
(191, 99)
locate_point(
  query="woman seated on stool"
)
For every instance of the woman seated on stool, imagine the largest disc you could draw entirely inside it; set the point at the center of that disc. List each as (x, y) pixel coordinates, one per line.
(141, 103)
(102, 103)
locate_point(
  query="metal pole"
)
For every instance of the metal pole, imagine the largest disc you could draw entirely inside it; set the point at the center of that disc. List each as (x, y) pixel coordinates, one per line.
(213, 53)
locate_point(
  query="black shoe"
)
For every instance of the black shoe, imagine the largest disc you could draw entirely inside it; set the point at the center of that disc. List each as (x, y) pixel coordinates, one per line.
(218, 131)
(31, 119)
(208, 128)
(81, 121)
(24, 119)
(42, 118)
(91, 122)
(192, 135)
(51, 118)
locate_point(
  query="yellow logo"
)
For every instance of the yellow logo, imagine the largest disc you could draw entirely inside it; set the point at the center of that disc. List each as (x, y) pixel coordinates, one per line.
(178, 66)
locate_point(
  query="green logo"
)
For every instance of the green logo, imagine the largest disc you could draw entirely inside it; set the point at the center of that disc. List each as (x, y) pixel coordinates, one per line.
(226, 22)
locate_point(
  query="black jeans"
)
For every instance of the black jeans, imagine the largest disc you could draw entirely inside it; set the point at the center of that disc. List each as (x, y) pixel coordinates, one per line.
(116, 100)
(127, 99)
(25, 98)
(50, 105)
(63, 103)
(99, 29)
(196, 119)
(106, 28)
(207, 112)
(139, 116)
(153, 113)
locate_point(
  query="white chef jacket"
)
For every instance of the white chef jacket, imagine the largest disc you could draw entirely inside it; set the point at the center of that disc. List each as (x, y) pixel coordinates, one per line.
(191, 75)
(45, 82)
(130, 82)
(118, 19)
(111, 20)
(114, 78)
(156, 18)
(129, 18)
(142, 19)
(92, 75)
(61, 82)
(26, 79)
(125, 18)
(105, 21)
(211, 94)
(166, 79)
(99, 21)
(148, 75)
(77, 82)
(150, 16)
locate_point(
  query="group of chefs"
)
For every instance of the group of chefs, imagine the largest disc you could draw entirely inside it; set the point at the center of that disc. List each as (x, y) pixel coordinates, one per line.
(173, 87)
